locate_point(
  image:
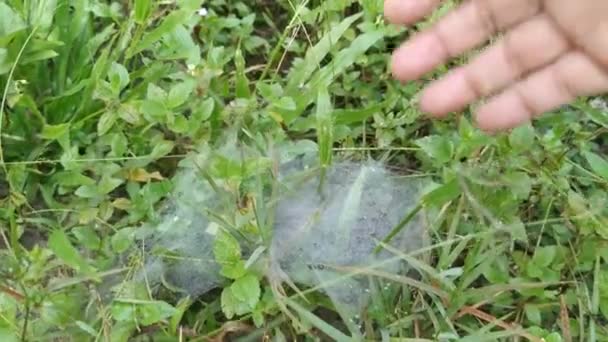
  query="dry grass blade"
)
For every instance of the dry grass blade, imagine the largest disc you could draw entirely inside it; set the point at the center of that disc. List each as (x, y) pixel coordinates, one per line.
(564, 318)
(469, 310)
(228, 328)
(16, 295)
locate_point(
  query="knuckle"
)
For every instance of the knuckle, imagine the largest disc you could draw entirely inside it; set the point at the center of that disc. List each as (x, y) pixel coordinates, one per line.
(479, 85)
(531, 107)
(485, 12)
(513, 56)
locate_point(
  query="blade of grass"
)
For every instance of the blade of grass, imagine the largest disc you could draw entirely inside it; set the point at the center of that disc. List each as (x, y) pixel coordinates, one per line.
(394, 277)
(280, 43)
(317, 322)
(420, 266)
(406, 220)
(317, 53)
(6, 89)
(324, 133)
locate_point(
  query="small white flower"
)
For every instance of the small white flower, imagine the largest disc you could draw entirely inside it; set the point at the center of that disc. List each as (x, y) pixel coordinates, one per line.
(202, 12)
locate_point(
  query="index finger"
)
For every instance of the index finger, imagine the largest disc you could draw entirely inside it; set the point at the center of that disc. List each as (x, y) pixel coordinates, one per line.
(462, 29)
(406, 12)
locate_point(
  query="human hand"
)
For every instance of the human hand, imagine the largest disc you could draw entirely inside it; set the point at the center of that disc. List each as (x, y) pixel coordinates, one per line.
(552, 52)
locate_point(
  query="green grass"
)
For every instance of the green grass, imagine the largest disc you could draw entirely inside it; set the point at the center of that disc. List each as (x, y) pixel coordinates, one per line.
(101, 100)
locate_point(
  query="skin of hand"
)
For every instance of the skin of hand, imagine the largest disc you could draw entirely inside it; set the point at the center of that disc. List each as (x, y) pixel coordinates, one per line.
(549, 53)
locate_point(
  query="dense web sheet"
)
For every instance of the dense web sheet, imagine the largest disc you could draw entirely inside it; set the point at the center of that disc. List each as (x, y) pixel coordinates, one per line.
(181, 244)
(320, 237)
(324, 228)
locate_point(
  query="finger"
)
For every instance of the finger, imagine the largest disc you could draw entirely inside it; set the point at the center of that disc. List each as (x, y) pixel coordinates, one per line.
(463, 29)
(514, 56)
(408, 11)
(586, 23)
(571, 76)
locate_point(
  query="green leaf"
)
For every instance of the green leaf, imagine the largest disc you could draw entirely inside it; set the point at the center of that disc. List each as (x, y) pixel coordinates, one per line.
(106, 10)
(17, 177)
(8, 318)
(181, 125)
(232, 306)
(106, 121)
(598, 116)
(241, 82)
(438, 147)
(123, 312)
(325, 137)
(543, 256)
(155, 110)
(179, 93)
(534, 271)
(598, 164)
(204, 110)
(269, 92)
(107, 184)
(8, 334)
(128, 113)
(170, 23)
(156, 93)
(324, 77)
(64, 250)
(442, 194)
(5, 63)
(577, 204)
(553, 337)
(162, 149)
(38, 56)
(258, 318)
(122, 331)
(229, 303)
(226, 248)
(122, 240)
(519, 183)
(234, 270)
(299, 75)
(247, 290)
(98, 40)
(42, 15)
(178, 44)
(181, 308)
(349, 116)
(55, 132)
(518, 231)
(223, 167)
(118, 76)
(189, 5)
(105, 92)
(87, 237)
(285, 103)
(227, 252)
(10, 22)
(344, 59)
(87, 191)
(86, 328)
(142, 10)
(533, 314)
(522, 138)
(154, 312)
